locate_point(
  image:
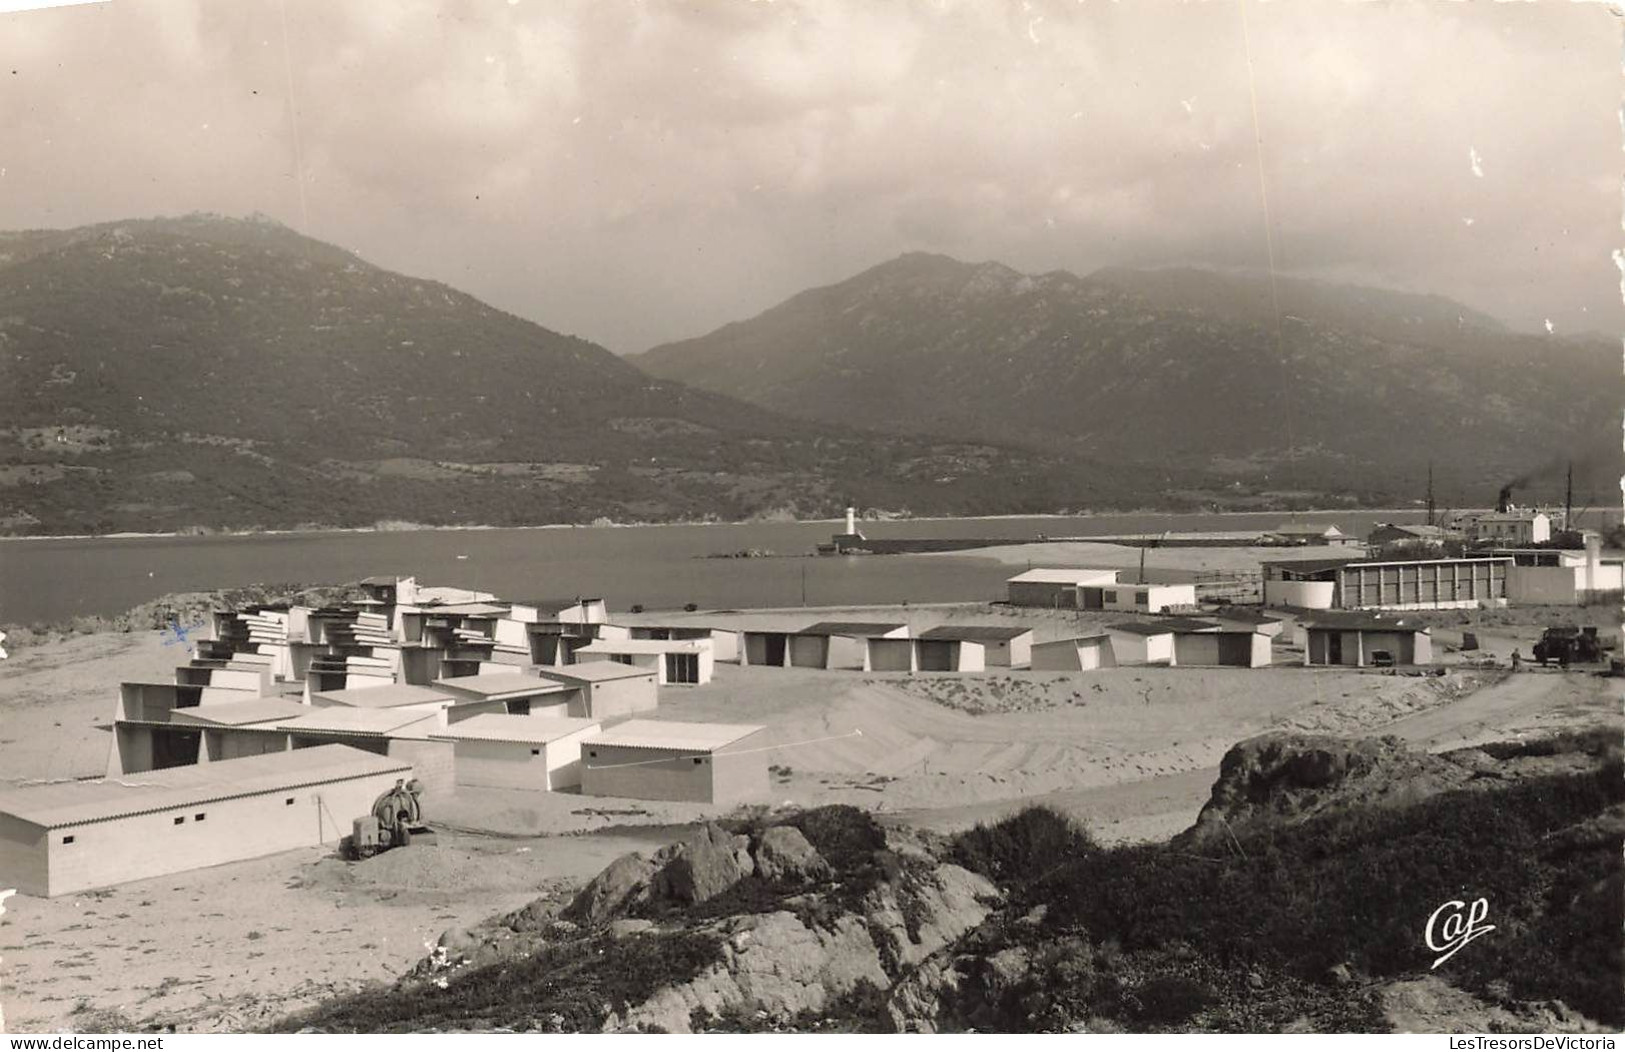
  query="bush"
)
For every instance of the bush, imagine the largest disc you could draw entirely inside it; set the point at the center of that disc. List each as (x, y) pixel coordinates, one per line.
(1022, 848)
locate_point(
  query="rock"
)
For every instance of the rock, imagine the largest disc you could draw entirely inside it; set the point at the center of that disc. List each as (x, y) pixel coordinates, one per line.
(625, 926)
(785, 855)
(535, 915)
(562, 929)
(1255, 981)
(611, 892)
(1289, 776)
(1340, 975)
(457, 940)
(703, 867)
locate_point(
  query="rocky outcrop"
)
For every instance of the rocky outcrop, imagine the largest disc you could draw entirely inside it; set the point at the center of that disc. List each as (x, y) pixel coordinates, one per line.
(702, 867)
(783, 854)
(1290, 777)
(610, 893)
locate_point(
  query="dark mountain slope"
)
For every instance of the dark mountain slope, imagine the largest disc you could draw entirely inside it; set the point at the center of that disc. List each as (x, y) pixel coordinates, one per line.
(164, 373)
(1356, 387)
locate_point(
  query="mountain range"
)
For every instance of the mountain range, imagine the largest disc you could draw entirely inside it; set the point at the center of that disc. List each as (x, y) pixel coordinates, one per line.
(213, 372)
(206, 372)
(1306, 385)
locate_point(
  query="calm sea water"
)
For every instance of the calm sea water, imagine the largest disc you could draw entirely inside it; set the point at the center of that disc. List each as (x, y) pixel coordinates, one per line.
(657, 566)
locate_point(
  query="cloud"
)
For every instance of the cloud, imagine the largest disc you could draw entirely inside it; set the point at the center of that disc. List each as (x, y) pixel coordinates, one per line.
(636, 172)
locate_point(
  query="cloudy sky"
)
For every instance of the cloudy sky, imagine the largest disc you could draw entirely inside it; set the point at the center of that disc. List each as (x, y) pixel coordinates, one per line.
(638, 172)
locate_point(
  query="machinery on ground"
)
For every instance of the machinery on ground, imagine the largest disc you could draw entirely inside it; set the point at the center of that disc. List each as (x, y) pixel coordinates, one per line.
(396, 817)
(1568, 645)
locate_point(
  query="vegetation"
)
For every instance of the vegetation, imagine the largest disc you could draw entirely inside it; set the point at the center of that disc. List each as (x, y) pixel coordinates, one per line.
(1262, 932)
(567, 987)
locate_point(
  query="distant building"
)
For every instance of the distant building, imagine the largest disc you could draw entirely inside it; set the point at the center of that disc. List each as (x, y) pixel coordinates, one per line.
(1417, 534)
(519, 752)
(66, 837)
(724, 642)
(1137, 598)
(672, 660)
(1055, 589)
(711, 763)
(1070, 655)
(1353, 641)
(918, 654)
(1394, 584)
(1141, 643)
(1251, 620)
(1003, 646)
(1512, 527)
(839, 644)
(1219, 646)
(1558, 577)
(1305, 533)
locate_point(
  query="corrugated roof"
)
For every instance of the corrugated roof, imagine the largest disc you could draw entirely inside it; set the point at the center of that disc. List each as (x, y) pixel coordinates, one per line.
(1074, 640)
(380, 722)
(76, 803)
(384, 696)
(684, 737)
(975, 632)
(859, 629)
(1052, 576)
(592, 671)
(495, 684)
(1246, 617)
(241, 713)
(1140, 628)
(1187, 624)
(498, 727)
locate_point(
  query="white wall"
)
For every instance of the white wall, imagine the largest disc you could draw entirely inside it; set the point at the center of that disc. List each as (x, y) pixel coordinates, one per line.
(1310, 595)
(141, 846)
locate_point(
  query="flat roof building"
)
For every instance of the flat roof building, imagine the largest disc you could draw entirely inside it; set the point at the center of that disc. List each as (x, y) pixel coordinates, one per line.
(839, 644)
(1387, 584)
(519, 752)
(674, 661)
(1055, 588)
(72, 836)
(1003, 646)
(608, 688)
(513, 694)
(1359, 641)
(656, 760)
(1080, 653)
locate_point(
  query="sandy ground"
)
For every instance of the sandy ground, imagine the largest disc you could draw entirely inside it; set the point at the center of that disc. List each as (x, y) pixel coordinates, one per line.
(1131, 752)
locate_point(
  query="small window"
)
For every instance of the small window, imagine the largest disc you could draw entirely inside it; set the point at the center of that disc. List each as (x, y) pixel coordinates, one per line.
(593, 753)
(68, 839)
(200, 816)
(288, 801)
(536, 752)
(698, 760)
(180, 820)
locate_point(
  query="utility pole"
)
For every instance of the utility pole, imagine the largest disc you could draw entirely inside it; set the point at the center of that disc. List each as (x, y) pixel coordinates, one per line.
(803, 584)
(1432, 514)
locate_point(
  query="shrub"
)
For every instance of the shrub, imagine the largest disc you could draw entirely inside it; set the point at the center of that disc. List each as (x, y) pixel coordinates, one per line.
(1023, 847)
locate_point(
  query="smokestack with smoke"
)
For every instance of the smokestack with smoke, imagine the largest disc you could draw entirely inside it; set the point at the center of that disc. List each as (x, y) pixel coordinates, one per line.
(1503, 502)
